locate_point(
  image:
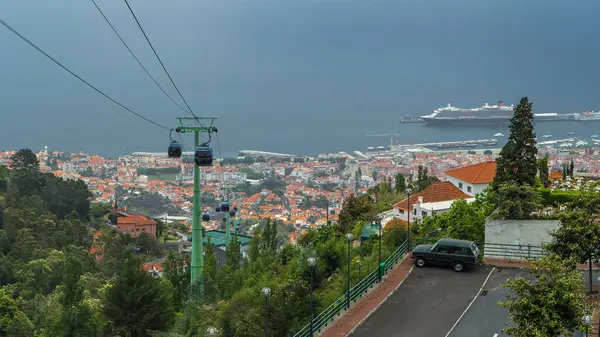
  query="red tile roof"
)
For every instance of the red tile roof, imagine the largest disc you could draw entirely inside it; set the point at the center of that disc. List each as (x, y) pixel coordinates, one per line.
(482, 173)
(555, 175)
(436, 192)
(137, 220)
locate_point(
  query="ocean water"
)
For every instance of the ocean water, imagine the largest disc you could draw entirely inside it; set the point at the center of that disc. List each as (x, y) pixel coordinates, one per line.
(295, 76)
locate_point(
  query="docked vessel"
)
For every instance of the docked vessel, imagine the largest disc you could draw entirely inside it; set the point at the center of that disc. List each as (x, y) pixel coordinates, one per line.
(411, 119)
(486, 114)
(588, 116)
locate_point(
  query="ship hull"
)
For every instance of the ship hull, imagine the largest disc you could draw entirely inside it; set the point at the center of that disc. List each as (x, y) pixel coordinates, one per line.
(489, 121)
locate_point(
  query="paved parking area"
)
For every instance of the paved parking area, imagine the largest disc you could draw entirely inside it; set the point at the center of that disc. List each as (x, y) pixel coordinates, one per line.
(428, 303)
(485, 318)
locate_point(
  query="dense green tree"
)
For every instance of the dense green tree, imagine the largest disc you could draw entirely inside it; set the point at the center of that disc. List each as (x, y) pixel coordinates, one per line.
(78, 315)
(400, 183)
(211, 273)
(576, 240)
(24, 159)
(395, 233)
(544, 171)
(178, 276)
(355, 208)
(516, 201)
(13, 322)
(551, 305)
(571, 168)
(465, 221)
(517, 162)
(137, 303)
(4, 174)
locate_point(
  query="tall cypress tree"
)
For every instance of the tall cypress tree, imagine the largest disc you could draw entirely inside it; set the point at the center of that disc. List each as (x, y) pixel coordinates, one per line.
(571, 168)
(517, 162)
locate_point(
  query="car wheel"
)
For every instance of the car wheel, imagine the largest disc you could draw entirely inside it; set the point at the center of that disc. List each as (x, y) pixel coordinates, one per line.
(458, 266)
(420, 262)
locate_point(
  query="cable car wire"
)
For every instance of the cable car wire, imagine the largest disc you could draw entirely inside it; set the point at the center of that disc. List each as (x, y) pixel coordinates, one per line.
(136, 58)
(77, 76)
(159, 60)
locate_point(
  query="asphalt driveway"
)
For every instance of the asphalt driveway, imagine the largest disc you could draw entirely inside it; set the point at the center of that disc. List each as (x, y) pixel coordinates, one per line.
(428, 303)
(485, 318)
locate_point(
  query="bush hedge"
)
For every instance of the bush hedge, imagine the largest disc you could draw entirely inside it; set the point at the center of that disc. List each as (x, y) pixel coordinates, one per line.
(556, 197)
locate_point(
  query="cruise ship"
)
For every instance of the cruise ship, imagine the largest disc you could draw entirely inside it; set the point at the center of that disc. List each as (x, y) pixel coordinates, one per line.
(486, 114)
(588, 116)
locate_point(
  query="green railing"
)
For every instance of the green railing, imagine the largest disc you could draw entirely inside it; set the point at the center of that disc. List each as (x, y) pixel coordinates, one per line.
(328, 315)
(498, 250)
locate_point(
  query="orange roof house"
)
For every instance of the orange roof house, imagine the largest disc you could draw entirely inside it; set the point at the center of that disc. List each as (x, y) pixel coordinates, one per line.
(437, 198)
(136, 224)
(555, 175)
(472, 179)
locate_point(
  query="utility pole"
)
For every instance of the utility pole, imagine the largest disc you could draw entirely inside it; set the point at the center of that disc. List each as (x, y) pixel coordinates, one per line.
(197, 125)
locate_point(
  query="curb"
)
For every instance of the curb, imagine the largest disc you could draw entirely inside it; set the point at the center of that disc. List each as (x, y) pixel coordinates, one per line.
(382, 302)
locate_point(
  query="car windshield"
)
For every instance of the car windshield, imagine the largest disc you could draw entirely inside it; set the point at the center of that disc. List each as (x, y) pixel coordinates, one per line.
(434, 247)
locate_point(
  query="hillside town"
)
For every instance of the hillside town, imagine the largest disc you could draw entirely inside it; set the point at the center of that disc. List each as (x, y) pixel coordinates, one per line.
(299, 193)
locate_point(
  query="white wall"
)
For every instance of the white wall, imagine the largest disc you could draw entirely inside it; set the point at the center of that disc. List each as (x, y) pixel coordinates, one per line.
(475, 188)
(414, 217)
(519, 232)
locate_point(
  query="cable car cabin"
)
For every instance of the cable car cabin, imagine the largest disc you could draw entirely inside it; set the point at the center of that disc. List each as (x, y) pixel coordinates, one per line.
(218, 209)
(205, 217)
(225, 207)
(231, 213)
(174, 150)
(203, 156)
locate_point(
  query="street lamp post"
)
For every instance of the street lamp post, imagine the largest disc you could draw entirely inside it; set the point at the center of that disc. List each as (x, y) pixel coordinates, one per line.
(349, 238)
(266, 292)
(408, 192)
(212, 331)
(379, 256)
(587, 320)
(311, 263)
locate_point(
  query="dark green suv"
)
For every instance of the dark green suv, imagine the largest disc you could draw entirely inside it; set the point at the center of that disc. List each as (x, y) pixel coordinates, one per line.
(450, 252)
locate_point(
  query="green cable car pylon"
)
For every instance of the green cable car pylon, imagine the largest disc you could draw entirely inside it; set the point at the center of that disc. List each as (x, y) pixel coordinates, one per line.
(203, 157)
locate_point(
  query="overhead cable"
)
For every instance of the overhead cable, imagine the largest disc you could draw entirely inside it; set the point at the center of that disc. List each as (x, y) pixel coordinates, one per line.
(159, 60)
(77, 76)
(136, 58)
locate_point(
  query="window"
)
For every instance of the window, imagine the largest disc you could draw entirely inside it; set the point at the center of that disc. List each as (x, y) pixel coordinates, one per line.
(415, 211)
(460, 185)
(401, 211)
(465, 251)
(469, 189)
(474, 249)
(442, 249)
(423, 213)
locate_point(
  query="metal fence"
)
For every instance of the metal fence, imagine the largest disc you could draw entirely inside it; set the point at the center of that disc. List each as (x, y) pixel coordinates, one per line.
(328, 315)
(499, 250)
(520, 252)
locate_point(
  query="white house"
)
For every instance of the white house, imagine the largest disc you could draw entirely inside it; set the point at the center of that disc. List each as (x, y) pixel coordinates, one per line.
(472, 179)
(437, 198)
